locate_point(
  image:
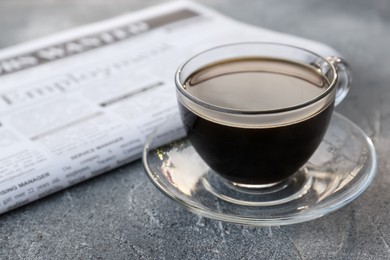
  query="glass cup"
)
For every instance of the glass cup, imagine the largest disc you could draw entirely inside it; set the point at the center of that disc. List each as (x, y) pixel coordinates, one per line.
(255, 145)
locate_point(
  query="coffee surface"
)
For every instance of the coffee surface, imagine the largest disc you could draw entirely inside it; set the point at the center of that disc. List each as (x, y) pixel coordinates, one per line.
(256, 84)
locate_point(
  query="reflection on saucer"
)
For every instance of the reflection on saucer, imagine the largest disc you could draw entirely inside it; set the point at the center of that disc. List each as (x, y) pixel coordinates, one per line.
(183, 168)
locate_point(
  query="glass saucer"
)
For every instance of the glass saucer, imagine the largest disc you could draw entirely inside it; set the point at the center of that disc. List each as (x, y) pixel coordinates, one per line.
(340, 170)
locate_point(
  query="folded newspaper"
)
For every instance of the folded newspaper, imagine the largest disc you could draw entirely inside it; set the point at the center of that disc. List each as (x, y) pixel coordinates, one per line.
(82, 102)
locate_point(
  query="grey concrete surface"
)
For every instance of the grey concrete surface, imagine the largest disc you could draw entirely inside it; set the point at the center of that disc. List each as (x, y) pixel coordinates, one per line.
(121, 215)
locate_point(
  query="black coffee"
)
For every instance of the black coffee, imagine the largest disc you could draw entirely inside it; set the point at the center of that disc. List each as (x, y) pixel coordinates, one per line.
(255, 155)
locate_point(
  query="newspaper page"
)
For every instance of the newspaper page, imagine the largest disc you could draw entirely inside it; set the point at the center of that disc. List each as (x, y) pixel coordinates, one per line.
(82, 102)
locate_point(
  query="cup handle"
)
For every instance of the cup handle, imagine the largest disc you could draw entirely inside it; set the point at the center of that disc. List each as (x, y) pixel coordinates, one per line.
(344, 77)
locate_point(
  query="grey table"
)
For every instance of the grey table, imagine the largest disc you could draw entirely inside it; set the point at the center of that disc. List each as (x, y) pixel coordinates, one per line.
(121, 215)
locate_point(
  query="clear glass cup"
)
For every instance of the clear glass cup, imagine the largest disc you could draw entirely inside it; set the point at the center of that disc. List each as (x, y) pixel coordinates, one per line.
(273, 137)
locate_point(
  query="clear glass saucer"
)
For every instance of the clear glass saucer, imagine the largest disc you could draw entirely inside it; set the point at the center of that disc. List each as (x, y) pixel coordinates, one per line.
(340, 170)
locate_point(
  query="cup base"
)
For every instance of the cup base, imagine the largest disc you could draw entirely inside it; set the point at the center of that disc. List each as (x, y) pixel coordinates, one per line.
(340, 170)
(258, 195)
(255, 186)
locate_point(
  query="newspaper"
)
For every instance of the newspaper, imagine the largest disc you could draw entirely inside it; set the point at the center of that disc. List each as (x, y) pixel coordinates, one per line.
(82, 102)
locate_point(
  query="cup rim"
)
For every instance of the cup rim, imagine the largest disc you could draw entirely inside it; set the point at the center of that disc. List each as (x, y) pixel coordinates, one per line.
(180, 87)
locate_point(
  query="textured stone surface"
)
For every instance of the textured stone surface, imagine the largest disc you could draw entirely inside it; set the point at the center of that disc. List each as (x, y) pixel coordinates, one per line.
(121, 215)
